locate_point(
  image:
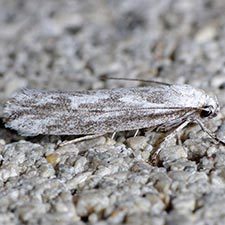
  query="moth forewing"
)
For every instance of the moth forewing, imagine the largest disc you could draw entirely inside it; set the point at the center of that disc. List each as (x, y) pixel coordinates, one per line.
(33, 112)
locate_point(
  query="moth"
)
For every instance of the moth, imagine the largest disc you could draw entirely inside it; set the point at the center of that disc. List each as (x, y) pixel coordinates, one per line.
(98, 112)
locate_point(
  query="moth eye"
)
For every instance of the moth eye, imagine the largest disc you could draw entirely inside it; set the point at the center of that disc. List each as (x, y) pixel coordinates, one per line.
(207, 111)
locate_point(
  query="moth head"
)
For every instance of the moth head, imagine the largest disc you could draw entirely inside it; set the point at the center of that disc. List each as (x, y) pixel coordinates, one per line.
(211, 107)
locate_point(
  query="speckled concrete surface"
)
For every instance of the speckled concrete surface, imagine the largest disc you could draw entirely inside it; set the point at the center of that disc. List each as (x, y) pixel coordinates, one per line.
(69, 45)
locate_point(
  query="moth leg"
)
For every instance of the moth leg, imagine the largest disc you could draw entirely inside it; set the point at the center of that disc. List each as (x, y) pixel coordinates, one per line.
(212, 135)
(155, 153)
(178, 136)
(136, 133)
(88, 137)
(170, 125)
(113, 135)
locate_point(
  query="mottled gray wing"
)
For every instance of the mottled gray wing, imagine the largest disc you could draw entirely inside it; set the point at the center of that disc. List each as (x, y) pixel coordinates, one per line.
(34, 112)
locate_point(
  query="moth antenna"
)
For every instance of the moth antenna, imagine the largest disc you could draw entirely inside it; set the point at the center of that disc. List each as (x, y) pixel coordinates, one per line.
(104, 77)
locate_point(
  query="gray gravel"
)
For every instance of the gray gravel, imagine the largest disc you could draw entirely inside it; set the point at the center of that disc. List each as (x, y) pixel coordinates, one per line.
(69, 45)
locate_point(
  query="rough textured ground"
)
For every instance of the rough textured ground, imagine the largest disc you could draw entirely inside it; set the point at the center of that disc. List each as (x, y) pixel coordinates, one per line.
(68, 45)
